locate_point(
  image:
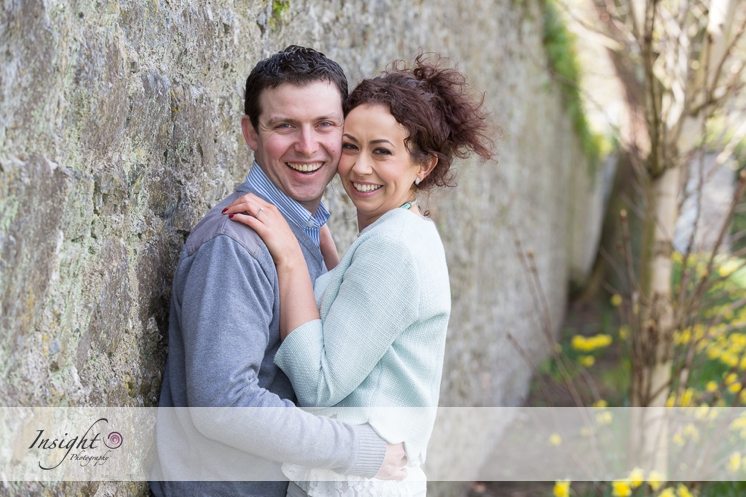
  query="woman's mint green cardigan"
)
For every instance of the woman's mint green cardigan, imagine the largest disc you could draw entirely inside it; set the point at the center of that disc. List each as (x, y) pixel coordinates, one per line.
(379, 343)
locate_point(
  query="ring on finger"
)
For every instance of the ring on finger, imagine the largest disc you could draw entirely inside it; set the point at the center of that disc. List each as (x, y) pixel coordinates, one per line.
(259, 211)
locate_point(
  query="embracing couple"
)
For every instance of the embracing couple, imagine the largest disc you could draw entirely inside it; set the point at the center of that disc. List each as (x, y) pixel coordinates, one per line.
(265, 314)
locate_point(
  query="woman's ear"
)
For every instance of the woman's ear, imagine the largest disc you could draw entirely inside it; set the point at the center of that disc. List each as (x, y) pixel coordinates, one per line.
(427, 167)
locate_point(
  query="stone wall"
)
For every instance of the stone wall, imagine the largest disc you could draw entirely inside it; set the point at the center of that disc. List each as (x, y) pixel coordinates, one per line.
(119, 128)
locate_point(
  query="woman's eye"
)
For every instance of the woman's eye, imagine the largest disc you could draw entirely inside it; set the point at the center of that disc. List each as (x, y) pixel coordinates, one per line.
(382, 151)
(348, 146)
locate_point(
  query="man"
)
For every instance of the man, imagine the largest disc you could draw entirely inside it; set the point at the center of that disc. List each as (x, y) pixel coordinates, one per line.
(224, 317)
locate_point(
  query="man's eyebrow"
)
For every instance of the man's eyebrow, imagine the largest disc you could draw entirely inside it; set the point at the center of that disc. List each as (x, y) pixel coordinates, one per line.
(279, 119)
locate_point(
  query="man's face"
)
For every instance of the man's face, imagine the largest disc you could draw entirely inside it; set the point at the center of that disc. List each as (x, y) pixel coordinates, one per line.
(299, 137)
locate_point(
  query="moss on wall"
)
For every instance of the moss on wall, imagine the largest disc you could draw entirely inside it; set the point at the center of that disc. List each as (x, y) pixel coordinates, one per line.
(560, 53)
(279, 8)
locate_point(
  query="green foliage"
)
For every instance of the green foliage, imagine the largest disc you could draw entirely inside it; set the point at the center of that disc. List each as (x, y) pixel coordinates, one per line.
(718, 333)
(724, 489)
(279, 7)
(559, 46)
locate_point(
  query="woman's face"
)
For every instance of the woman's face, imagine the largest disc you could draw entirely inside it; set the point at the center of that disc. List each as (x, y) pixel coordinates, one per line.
(376, 169)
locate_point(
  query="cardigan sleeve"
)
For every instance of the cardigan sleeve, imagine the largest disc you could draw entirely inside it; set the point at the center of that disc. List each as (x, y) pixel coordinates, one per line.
(377, 300)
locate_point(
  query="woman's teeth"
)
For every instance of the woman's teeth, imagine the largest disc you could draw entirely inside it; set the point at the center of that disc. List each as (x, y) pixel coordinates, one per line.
(364, 188)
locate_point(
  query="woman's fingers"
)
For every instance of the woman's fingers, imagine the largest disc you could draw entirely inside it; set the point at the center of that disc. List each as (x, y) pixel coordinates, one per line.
(250, 203)
(255, 212)
(250, 221)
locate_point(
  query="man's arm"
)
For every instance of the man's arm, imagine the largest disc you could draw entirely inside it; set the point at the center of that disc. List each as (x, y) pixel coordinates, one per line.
(226, 311)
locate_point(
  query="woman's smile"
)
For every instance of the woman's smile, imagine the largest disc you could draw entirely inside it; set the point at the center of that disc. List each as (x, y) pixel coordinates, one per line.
(376, 168)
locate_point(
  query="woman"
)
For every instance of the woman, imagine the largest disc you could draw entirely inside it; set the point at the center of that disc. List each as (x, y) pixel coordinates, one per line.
(373, 335)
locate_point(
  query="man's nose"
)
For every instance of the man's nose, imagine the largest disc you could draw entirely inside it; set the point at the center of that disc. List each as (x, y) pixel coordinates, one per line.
(308, 142)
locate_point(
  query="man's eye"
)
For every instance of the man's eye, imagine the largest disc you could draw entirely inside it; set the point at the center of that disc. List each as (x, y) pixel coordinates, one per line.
(326, 124)
(283, 126)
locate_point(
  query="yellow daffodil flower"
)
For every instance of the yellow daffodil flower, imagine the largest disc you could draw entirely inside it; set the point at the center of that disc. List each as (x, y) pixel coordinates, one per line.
(655, 480)
(734, 462)
(636, 478)
(583, 343)
(587, 361)
(562, 488)
(683, 491)
(604, 418)
(623, 332)
(621, 488)
(667, 492)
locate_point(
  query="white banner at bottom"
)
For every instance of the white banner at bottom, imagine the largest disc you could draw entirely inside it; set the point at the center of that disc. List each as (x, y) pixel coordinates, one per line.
(467, 443)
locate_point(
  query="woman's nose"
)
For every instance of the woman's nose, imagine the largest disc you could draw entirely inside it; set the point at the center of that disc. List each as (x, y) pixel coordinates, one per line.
(362, 165)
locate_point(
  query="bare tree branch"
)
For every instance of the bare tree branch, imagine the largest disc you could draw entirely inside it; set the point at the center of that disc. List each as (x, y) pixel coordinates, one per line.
(727, 52)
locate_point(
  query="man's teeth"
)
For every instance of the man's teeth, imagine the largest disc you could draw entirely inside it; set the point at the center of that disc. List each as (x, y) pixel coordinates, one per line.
(366, 188)
(305, 167)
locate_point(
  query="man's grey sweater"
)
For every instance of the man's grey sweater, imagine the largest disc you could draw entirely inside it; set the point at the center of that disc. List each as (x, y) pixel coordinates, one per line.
(223, 336)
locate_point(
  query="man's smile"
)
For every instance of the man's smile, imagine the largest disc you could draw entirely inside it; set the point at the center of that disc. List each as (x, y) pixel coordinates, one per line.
(305, 167)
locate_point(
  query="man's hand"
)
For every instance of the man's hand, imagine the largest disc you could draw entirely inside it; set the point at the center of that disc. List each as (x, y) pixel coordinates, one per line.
(394, 463)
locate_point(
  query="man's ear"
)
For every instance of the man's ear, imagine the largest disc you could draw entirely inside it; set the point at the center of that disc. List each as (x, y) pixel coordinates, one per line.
(249, 133)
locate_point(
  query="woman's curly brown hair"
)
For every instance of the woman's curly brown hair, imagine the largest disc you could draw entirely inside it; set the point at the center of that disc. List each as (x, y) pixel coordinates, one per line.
(432, 102)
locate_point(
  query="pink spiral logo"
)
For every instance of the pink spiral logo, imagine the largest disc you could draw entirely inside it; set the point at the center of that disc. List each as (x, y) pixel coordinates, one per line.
(113, 440)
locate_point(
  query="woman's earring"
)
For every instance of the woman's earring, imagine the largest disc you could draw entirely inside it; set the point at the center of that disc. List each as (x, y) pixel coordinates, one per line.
(417, 181)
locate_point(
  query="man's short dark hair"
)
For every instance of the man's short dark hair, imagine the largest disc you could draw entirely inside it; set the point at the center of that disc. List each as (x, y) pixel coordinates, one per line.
(295, 65)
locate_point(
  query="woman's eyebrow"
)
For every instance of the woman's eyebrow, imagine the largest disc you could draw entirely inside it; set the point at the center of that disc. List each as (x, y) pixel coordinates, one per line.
(349, 137)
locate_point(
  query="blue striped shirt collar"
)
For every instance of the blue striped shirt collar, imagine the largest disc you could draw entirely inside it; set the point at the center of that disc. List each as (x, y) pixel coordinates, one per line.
(293, 211)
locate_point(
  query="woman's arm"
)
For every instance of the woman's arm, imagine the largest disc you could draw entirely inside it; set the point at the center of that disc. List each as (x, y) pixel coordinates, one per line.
(377, 299)
(297, 302)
